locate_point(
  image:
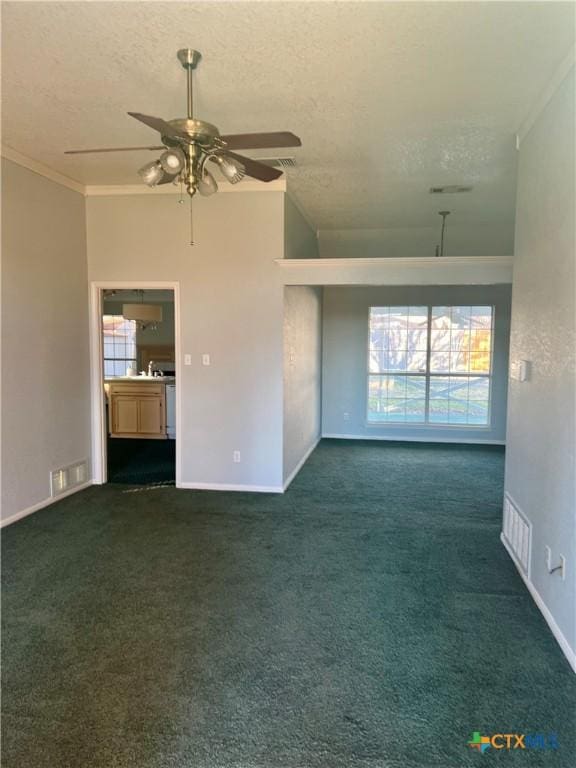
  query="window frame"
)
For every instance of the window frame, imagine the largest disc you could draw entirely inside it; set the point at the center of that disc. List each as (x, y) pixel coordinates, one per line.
(428, 375)
(125, 360)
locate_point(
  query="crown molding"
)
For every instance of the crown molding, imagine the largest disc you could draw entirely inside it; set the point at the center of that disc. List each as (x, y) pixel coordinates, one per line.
(41, 169)
(554, 83)
(107, 190)
(98, 190)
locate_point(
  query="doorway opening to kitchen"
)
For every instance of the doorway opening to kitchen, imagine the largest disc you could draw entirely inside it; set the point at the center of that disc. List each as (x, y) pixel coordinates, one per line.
(137, 385)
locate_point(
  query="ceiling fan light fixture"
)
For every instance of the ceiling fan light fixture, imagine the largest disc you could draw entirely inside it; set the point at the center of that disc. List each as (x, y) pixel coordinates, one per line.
(173, 161)
(151, 173)
(207, 185)
(232, 171)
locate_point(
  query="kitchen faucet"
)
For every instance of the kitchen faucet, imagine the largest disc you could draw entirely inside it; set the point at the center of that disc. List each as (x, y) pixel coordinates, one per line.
(150, 364)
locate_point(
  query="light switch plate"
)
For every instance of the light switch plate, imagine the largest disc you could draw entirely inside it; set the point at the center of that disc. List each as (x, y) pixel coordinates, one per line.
(187, 359)
(520, 370)
(205, 359)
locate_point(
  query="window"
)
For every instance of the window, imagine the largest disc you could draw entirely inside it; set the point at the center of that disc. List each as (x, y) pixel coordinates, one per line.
(119, 344)
(430, 365)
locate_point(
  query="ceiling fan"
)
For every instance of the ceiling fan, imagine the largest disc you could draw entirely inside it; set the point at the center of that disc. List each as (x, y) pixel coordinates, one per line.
(189, 144)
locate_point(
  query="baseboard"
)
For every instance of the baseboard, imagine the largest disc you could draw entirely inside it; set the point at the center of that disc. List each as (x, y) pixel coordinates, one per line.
(554, 628)
(231, 487)
(44, 503)
(408, 439)
(300, 464)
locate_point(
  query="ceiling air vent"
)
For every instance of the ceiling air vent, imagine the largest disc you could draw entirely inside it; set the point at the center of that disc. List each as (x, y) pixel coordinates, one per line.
(450, 189)
(278, 162)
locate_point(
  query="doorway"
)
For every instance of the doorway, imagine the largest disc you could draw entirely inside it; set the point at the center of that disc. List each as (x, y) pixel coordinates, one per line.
(135, 351)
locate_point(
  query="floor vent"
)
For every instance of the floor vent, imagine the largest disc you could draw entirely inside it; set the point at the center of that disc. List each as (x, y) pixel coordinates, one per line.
(62, 480)
(518, 534)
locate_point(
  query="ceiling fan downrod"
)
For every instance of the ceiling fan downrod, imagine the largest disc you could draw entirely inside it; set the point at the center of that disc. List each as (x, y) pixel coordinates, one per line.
(189, 58)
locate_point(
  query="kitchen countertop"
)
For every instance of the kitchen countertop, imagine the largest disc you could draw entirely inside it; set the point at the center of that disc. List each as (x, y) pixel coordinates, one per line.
(143, 379)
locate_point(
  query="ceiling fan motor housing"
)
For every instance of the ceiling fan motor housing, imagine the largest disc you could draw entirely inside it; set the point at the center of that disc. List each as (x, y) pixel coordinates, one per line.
(202, 133)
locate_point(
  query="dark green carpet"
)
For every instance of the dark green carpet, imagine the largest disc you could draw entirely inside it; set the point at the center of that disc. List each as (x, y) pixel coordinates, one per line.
(368, 618)
(141, 461)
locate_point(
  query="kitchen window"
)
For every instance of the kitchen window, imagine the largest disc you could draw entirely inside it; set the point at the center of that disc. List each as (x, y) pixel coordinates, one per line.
(430, 365)
(119, 336)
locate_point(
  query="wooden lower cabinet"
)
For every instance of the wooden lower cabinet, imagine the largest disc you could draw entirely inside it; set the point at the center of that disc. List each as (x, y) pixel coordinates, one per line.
(151, 416)
(124, 414)
(137, 410)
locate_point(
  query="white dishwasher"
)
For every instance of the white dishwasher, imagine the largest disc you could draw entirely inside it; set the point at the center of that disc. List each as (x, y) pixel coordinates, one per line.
(171, 411)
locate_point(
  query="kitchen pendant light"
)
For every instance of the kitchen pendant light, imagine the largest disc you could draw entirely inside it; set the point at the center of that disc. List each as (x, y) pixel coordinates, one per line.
(145, 315)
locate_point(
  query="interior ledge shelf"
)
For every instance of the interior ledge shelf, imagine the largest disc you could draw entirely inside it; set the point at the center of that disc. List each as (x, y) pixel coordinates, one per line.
(445, 270)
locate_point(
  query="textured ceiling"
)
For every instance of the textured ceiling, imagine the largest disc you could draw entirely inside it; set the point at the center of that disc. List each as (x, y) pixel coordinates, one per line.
(388, 98)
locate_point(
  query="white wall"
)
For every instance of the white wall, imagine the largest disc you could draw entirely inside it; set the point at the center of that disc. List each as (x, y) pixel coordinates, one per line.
(45, 361)
(231, 307)
(302, 373)
(345, 358)
(541, 417)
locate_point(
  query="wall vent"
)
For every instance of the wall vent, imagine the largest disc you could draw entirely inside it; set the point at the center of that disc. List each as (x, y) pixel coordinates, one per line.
(278, 162)
(62, 480)
(449, 190)
(518, 534)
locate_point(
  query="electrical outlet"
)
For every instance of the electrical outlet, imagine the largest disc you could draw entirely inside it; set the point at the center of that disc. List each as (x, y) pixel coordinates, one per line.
(346, 416)
(548, 552)
(236, 457)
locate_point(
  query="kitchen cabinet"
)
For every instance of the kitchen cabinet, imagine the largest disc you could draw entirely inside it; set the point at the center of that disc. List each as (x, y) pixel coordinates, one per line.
(136, 409)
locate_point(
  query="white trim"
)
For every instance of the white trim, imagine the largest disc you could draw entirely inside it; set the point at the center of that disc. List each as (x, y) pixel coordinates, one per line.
(409, 439)
(301, 463)
(429, 270)
(544, 610)
(98, 412)
(232, 487)
(404, 261)
(44, 503)
(548, 92)
(41, 169)
(99, 190)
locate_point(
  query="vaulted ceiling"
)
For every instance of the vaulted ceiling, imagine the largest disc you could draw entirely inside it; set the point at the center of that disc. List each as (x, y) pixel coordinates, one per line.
(388, 98)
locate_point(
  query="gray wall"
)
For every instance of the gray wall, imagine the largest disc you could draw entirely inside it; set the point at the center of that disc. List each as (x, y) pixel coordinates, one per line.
(231, 307)
(302, 347)
(45, 361)
(302, 373)
(300, 241)
(462, 239)
(541, 418)
(345, 358)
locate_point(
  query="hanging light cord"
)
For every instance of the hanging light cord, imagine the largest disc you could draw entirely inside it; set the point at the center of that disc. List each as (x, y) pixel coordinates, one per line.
(440, 250)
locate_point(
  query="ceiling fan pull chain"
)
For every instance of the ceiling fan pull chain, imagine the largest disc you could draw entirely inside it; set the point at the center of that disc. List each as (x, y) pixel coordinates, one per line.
(191, 223)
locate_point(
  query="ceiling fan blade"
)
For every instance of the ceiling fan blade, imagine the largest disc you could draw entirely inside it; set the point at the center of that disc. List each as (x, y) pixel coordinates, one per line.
(261, 140)
(254, 168)
(110, 149)
(164, 128)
